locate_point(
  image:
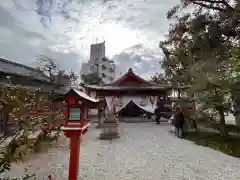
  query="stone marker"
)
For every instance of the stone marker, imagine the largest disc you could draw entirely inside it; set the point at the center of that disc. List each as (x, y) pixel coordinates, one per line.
(110, 127)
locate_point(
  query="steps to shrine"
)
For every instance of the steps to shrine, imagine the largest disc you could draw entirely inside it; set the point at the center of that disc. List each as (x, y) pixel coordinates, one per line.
(135, 119)
(139, 119)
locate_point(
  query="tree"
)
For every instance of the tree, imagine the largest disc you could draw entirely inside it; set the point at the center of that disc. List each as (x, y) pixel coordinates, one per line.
(159, 78)
(90, 79)
(225, 6)
(72, 78)
(236, 84)
(47, 65)
(198, 53)
(20, 103)
(228, 11)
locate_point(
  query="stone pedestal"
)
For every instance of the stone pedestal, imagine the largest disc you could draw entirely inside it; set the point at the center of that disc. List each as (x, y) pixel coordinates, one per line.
(100, 119)
(100, 122)
(110, 128)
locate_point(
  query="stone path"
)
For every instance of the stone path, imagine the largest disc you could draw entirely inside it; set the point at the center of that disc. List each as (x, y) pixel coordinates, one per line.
(145, 151)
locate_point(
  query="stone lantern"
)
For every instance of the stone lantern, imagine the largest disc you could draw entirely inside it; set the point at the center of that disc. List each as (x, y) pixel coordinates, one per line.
(101, 112)
(110, 128)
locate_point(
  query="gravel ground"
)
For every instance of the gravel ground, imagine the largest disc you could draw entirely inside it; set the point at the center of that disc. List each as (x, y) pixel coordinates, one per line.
(145, 151)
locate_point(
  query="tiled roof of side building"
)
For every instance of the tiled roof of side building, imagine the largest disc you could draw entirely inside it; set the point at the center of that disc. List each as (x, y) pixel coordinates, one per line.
(11, 67)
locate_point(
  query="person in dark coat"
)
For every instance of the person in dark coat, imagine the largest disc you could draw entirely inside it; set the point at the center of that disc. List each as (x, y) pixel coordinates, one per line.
(157, 114)
(178, 123)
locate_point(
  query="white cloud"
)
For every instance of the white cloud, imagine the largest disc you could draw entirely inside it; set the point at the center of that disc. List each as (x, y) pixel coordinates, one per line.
(64, 30)
(144, 61)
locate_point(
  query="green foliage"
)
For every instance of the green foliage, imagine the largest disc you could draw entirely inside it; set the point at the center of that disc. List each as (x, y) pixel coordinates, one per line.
(19, 103)
(91, 78)
(228, 146)
(202, 51)
(231, 128)
(27, 176)
(4, 162)
(159, 78)
(72, 78)
(236, 75)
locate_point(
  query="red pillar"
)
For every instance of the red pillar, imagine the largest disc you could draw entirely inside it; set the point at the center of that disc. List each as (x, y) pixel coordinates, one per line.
(74, 138)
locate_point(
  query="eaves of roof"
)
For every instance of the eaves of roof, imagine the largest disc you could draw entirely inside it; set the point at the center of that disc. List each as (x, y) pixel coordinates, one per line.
(10, 67)
(133, 87)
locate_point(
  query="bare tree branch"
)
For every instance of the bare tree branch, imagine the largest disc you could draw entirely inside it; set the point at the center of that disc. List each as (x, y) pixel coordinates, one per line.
(214, 4)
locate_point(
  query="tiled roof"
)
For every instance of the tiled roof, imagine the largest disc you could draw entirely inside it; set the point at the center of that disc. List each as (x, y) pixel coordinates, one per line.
(44, 88)
(79, 94)
(14, 68)
(134, 87)
(121, 84)
(85, 96)
(123, 80)
(128, 87)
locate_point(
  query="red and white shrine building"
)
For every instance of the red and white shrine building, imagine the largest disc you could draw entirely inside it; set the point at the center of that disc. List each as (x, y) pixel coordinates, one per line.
(131, 95)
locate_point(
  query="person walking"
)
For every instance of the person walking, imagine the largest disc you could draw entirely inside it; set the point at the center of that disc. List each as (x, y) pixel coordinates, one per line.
(179, 122)
(171, 124)
(157, 115)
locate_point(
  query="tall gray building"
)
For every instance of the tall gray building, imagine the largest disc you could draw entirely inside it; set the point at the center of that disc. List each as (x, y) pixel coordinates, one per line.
(99, 64)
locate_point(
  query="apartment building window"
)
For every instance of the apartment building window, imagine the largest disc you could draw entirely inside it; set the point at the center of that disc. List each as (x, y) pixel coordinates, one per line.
(104, 67)
(111, 70)
(103, 75)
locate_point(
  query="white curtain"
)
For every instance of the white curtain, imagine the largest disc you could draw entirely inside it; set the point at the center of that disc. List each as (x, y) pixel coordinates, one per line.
(109, 100)
(146, 103)
(120, 103)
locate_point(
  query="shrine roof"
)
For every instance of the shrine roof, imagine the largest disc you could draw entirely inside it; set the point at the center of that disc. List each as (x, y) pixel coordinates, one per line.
(131, 81)
(128, 87)
(81, 95)
(130, 78)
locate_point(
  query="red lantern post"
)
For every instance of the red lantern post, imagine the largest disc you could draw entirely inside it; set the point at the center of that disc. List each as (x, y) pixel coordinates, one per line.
(75, 126)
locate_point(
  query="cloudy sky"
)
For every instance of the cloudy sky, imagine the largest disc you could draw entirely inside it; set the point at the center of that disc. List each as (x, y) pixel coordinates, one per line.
(65, 29)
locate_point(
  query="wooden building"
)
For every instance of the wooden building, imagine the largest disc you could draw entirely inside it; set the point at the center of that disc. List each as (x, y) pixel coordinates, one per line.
(132, 86)
(12, 73)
